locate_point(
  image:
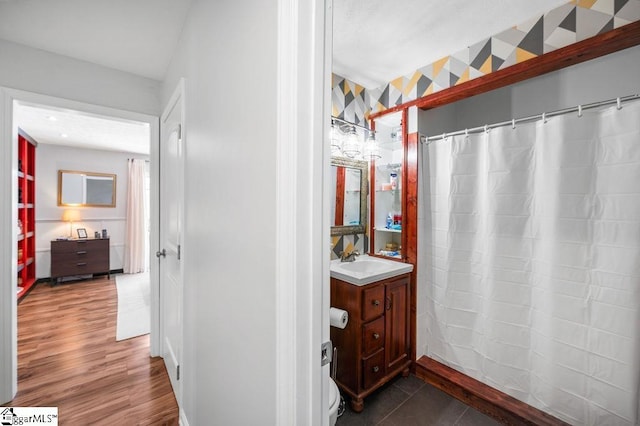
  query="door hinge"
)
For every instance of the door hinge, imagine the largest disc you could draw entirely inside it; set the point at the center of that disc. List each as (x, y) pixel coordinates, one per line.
(327, 353)
(179, 252)
(180, 132)
(177, 372)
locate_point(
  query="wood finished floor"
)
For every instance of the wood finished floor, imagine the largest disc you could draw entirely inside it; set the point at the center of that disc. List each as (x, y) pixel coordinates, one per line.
(68, 358)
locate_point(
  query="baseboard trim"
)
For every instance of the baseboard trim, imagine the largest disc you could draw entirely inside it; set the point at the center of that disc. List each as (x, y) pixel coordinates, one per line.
(89, 276)
(482, 397)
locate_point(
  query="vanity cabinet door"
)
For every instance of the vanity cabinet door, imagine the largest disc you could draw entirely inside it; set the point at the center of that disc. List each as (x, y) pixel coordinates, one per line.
(397, 322)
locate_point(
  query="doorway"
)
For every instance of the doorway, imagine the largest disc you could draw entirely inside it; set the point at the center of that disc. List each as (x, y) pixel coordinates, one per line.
(12, 103)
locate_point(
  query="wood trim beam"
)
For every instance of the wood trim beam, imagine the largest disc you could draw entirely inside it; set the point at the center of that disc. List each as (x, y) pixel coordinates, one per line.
(484, 398)
(591, 48)
(410, 229)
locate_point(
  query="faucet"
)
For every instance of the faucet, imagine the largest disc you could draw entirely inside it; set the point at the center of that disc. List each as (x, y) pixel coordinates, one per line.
(351, 257)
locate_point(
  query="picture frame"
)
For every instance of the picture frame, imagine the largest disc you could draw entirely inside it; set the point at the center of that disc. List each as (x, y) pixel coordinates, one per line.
(82, 233)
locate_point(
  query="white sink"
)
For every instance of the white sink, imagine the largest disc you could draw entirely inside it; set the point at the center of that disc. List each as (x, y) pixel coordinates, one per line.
(367, 269)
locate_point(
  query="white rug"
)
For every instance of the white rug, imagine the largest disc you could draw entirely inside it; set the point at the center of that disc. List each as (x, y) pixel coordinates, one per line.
(134, 305)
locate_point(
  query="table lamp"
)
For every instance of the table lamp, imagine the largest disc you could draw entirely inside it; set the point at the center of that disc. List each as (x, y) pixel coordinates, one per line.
(70, 216)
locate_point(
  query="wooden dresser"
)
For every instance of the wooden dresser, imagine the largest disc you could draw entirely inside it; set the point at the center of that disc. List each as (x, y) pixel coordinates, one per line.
(79, 257)
(374, 347)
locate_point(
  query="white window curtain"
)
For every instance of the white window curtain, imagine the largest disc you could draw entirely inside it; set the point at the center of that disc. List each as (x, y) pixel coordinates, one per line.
(530, 261)
(136, 231)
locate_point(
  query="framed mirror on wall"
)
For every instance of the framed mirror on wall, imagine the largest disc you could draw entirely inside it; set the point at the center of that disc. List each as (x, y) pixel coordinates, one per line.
(86, 189)
(349, 183)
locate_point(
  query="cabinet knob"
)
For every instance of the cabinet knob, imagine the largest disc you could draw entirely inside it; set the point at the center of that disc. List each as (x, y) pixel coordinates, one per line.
(376, 336)
(376, 302)
(376, 369)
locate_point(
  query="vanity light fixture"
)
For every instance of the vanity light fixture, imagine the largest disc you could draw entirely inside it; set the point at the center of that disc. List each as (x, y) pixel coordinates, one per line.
(352, 146)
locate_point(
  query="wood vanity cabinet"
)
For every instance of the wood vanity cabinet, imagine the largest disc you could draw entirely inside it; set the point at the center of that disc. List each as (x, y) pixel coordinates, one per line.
(79, 257)
(374, 346)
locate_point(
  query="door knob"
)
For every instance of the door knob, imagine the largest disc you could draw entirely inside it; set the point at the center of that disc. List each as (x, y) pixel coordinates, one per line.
(162, 253)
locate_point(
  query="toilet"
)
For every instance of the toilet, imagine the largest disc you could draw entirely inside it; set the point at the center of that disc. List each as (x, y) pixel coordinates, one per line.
(334, 402)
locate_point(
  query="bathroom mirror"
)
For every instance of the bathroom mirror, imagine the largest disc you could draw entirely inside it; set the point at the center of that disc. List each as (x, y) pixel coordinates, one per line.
(86, 189)
(349, 183)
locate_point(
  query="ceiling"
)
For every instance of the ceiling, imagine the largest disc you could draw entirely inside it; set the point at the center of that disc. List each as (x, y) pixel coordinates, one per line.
(136, 36)
(374, 42)
(82, 130)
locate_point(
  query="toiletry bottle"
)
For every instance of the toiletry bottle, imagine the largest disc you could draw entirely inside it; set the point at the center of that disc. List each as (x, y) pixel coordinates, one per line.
(393, 179)
(389, 221)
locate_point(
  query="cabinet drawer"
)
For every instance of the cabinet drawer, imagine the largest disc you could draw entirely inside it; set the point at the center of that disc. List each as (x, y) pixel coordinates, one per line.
(372, 302)
(80, 256)
(73, 246)
(372, 336)
(372, 369)
(79, 267)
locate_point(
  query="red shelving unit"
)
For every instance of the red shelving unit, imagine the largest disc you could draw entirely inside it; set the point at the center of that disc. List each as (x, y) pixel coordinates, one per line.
(26, 226)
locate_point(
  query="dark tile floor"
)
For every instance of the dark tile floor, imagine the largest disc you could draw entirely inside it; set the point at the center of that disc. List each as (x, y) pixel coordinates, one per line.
(409, 401)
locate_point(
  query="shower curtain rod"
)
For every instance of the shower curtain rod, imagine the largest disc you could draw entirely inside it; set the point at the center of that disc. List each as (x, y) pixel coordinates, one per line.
(543, 116)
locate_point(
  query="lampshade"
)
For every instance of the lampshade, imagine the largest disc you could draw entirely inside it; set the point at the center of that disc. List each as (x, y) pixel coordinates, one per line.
(351, 146)
(70, 215)
(371, 150)
(335, 135)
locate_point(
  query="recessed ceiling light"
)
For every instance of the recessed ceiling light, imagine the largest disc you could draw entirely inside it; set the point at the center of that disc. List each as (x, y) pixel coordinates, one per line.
(52, 118)
(64, 135)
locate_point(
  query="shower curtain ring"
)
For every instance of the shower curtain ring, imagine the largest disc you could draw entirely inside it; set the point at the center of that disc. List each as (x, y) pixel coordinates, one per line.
(579, 110)
(513, 123)
(619, 104)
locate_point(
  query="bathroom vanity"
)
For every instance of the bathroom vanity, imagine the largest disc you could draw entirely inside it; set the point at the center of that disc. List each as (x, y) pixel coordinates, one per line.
(374, 347)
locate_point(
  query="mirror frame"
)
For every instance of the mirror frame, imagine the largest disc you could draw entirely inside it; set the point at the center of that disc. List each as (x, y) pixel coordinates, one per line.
(113, 192)
(363, 166)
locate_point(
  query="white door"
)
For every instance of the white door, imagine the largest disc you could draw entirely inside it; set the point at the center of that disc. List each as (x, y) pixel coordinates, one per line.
(171, 216)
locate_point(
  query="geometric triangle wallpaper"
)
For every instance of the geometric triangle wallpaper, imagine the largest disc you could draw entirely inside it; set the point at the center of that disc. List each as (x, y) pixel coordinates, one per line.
(561, 27)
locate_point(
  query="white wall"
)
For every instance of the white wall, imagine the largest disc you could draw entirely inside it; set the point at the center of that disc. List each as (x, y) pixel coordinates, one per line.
(596, 80)
(228, 56)
(37, 71)
(50, 159)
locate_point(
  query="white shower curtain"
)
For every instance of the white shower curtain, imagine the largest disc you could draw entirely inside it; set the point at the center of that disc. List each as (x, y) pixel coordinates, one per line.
(136, 232)
(530, 261)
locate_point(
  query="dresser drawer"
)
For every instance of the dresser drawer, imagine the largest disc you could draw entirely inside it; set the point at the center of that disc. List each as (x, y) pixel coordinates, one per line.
(74, 246)
(372, 302)
(372, 336)
(82, 256)
(373, 369)
(79, 267)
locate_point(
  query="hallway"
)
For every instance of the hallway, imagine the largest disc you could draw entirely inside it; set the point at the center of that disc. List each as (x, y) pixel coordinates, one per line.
(68, 358)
